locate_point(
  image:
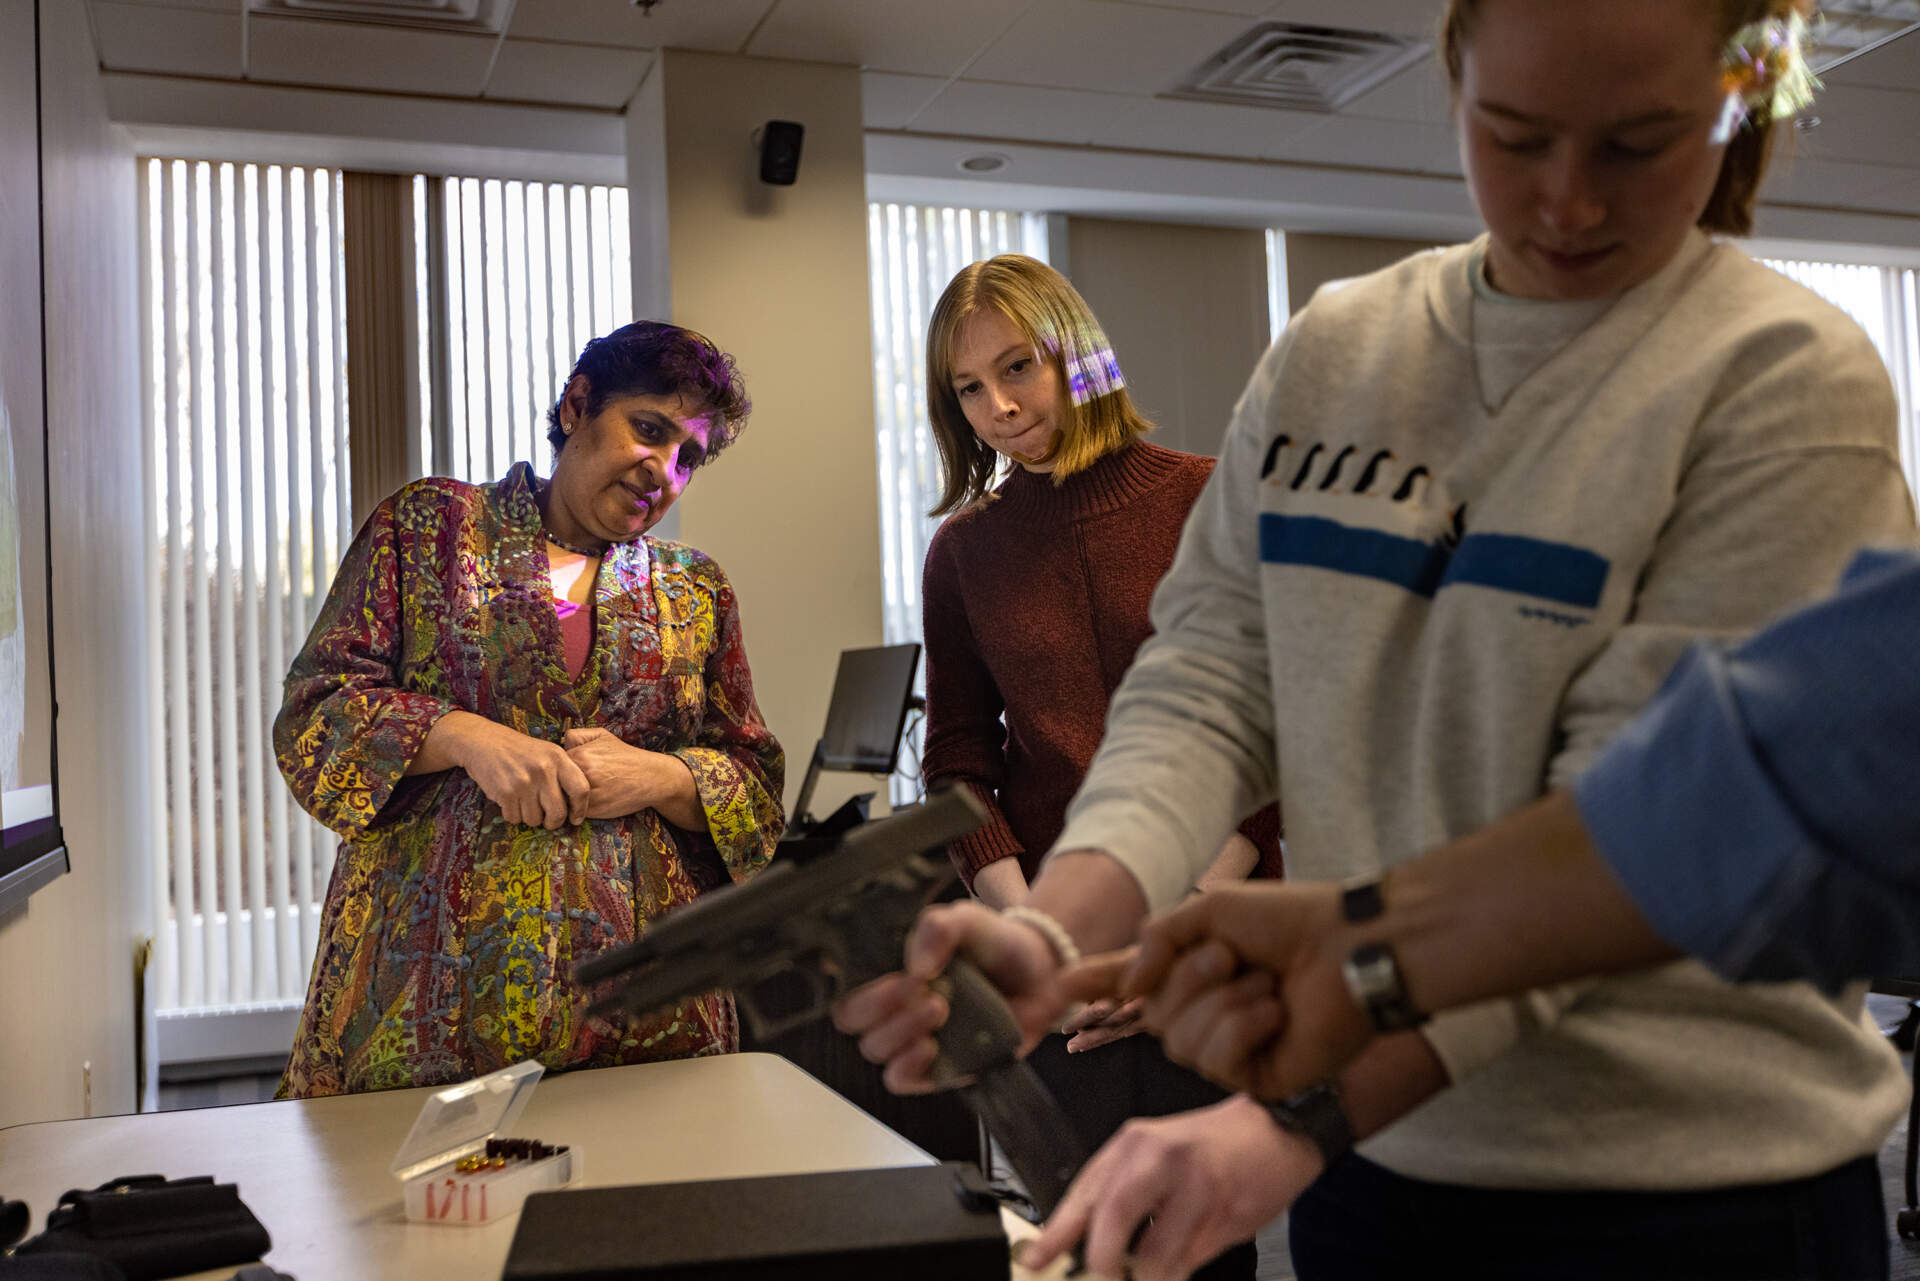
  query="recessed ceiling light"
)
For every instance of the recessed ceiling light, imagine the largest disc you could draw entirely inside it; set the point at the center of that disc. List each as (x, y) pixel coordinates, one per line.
(984, 162)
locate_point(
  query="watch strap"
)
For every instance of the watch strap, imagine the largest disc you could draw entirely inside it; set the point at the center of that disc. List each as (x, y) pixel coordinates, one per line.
(1317, 1114)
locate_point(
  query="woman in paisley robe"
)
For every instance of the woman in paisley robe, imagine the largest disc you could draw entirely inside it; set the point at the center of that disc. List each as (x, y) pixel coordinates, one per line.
(534, 730)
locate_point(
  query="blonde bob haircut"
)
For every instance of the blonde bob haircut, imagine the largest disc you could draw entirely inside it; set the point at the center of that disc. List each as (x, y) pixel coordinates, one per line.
(1060, 325)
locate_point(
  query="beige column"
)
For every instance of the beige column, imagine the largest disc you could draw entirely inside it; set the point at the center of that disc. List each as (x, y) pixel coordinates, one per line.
(778, 277)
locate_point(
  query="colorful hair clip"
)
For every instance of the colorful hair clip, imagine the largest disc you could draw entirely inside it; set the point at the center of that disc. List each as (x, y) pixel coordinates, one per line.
(1765, 74)
(1094, 374)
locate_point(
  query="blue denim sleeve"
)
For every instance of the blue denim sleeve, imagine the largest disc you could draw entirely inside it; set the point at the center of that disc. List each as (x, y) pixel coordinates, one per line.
(1764, 811)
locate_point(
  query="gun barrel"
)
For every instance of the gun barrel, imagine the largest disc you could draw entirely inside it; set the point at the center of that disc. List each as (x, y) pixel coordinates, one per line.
(785, 891)
(660, 984)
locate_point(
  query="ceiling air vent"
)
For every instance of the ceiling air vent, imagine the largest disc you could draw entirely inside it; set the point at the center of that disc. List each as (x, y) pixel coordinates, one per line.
(1299, 68)
(479, 16)
(1846, 29)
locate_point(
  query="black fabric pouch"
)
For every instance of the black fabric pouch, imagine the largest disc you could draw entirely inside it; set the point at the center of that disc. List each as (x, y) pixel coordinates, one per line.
(151, 1227)
(60, 1265)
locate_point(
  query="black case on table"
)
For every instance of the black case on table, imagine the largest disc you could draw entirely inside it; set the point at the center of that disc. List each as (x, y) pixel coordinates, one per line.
(149, 1226)
(929, 1222)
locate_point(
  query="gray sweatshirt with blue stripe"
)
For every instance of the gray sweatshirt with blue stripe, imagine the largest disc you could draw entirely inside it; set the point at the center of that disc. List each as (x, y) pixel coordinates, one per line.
(1451, 547)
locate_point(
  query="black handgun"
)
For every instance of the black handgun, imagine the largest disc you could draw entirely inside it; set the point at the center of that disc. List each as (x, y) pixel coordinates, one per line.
(839, 920)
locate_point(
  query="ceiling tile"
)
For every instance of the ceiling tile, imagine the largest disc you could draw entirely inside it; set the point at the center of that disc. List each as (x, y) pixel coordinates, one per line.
(1373, 144)
(1879, 126)
(215, 6)
(359, 55)
(889, 101)
(717, 26)
(1902, 196)
(1022, 113)
(1246, 8)
(181, 42)
(1100, 44)
(575, 75)
(1418, 93)
(1800, 180)
(929, 37)
(1417, 18)
(1895, 65)
(1210, 128)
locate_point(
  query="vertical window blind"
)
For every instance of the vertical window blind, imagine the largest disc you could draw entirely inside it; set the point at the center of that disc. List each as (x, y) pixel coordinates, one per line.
(246, 349)
(1279, 308)
(532, 270)
(246, 463)
(912, 252)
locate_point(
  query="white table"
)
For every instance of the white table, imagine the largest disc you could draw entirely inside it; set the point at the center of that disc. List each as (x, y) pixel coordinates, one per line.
(315, 1171)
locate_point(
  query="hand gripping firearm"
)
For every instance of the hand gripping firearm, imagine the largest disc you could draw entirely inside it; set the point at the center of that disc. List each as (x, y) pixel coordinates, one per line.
(839, 920)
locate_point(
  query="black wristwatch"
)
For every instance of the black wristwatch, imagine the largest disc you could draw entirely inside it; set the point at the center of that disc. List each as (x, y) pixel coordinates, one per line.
(1317, 1114)
(1371, 972)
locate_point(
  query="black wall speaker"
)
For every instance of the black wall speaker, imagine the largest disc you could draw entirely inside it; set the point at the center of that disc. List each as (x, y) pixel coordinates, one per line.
(780, 152)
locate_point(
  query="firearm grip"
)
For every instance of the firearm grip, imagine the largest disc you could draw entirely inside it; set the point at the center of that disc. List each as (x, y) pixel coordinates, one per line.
(980, 1031)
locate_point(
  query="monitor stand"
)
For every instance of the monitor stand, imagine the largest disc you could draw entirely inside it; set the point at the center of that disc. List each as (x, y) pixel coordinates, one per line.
(851, 814)
(801, 819)
(843, 820)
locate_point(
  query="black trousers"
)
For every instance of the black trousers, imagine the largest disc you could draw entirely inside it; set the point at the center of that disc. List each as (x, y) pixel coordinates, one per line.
(1362, 1220)
(1101, 1089)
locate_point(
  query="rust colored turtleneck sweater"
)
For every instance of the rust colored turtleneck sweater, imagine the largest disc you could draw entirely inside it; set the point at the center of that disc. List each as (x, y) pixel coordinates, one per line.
(1034, 604)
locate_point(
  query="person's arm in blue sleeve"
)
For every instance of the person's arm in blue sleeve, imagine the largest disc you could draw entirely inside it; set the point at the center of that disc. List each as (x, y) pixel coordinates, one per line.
(1764, 812)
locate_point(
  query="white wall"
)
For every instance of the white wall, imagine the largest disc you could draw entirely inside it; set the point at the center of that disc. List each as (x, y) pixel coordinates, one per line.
(1186, 309)
(778, 277)
(1313, 260)
(66, 962)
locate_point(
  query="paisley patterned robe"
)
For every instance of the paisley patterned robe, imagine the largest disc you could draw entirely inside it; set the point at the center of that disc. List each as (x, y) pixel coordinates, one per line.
(449, 936)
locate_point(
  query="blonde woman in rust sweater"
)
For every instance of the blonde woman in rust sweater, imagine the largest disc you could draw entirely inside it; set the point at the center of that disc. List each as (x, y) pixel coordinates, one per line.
(1036, 596)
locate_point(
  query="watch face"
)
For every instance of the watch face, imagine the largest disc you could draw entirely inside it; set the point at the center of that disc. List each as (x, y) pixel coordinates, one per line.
(1373, 971)
(1373, 980)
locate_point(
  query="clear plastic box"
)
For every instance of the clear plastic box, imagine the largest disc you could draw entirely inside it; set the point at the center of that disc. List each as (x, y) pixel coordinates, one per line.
(456, 1123)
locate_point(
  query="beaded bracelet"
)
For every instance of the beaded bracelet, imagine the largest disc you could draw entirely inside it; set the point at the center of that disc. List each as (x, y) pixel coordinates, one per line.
(1055, 933)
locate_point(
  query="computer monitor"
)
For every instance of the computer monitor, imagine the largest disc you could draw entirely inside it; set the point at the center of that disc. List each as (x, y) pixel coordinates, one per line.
(872, 693)
(869, 709)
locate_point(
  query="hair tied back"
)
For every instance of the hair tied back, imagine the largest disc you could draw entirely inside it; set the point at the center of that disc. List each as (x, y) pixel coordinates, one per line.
(1765, 73)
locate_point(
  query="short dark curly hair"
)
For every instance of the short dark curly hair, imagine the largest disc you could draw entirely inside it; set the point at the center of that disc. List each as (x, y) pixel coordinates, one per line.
(653, 358)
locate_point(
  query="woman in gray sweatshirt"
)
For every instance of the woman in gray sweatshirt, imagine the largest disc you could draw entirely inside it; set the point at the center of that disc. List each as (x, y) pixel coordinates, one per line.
(1470, 511)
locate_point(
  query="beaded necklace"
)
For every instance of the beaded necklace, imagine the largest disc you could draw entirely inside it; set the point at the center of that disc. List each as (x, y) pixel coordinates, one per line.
(541, 503)
(560, 542)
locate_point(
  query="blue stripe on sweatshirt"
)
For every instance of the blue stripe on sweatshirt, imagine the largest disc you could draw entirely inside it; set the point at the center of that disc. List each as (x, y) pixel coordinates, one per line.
(1533, 567)
(1326, 544)
(1557, 572)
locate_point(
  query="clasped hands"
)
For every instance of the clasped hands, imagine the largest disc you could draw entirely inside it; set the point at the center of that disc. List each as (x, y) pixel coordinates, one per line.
(590, 773)
(1242, 983)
